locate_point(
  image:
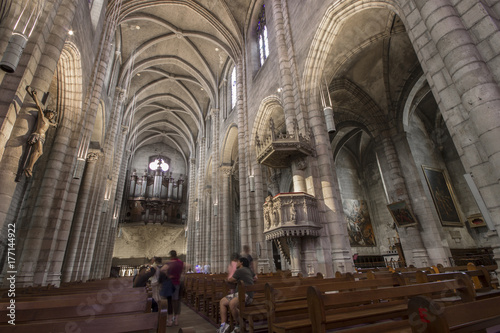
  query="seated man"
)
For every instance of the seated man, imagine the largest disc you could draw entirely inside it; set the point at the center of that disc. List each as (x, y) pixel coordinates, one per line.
(244, 274)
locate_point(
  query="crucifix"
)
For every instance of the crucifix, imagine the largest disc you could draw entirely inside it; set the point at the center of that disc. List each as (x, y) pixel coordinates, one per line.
(35, 142)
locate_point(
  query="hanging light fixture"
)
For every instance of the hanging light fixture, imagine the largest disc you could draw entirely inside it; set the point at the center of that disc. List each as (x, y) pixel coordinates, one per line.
(21, 32)
(327, 109)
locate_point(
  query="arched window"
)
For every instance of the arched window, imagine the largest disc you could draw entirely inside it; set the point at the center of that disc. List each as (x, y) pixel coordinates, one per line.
(233, 87)
(262, 36)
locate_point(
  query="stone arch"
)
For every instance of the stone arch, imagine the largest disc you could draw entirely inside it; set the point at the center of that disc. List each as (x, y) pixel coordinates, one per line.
(270, 107)
(372, 118)
(69, 81)
(326, 33)
(412, 101)
(228, 156)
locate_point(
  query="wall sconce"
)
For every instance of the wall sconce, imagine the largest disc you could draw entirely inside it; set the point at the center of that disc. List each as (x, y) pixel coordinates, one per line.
(20, 36)
(216, 209)
(252, 183)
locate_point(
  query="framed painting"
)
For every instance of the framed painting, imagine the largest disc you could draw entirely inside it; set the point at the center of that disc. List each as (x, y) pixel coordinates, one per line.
(476, 220)
(359, 224)
(442, 196)
(401, 214)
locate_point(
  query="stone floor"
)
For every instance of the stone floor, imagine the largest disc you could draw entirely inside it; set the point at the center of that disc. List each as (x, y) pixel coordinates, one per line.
(190, 319)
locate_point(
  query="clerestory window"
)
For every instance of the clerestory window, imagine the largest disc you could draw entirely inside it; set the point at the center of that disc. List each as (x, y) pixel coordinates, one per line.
(262, 36)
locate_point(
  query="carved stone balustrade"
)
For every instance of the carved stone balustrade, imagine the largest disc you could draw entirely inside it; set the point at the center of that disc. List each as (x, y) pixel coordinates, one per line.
(291, 215)
(279, 149)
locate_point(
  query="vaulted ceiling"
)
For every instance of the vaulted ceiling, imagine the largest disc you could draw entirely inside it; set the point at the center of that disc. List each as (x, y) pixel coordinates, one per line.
(173, 53)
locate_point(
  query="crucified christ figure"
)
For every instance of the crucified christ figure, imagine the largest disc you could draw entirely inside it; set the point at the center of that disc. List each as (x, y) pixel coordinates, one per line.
(37, 138)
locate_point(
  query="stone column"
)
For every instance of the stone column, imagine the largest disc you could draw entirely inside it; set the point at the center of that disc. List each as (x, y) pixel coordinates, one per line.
(190, 225)
(213, 253)
(479, 92)
(437, 250)
(94, 224)
(299, 182)
(72, 260)
(334, 237)
(15, 120)
(284, 65)
(120, 167)
(207, 216)
(294, 243)
(226, 218)
(412, 243)
(114, 145)
(200, 193)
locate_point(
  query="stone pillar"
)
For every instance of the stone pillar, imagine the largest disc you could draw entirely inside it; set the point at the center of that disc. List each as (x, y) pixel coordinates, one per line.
(437, 249)
(212, 251)
(333, 242)
(299, 182)
(114, 146)
(119, 168)
(94, 224)
(294, 243)
(472, 80)
(200, 193)
(413, 246)
(15, 121)
(192, 213)
(72, 260)
(226, 217)
(284, 65)
(479, 92)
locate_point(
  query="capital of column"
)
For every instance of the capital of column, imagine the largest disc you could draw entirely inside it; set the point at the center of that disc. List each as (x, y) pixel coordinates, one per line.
(226, 170)
(121, 92)
(214, 112)
(192, 161)
(92, 157)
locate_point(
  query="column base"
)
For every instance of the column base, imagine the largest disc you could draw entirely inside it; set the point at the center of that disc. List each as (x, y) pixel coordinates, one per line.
(342, 261)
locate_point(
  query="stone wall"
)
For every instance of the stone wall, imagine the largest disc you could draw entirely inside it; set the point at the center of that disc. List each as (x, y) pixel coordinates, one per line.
(147, 241)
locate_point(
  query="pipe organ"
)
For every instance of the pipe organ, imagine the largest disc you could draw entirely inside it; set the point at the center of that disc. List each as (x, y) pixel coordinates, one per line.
(155, 197)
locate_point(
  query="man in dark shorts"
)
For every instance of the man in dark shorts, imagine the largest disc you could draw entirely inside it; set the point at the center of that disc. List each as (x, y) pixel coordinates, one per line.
(244, 274)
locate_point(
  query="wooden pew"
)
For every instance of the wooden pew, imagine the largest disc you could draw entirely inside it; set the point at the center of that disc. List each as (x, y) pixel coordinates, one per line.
(480, 278)
(256, 312)
(86, 312)
(290, 303)
(329, 311)
(426, 316)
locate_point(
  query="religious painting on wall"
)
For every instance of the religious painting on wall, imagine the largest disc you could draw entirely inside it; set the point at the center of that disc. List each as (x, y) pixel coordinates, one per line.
(401, 214)
(359, 225)
(443, 197)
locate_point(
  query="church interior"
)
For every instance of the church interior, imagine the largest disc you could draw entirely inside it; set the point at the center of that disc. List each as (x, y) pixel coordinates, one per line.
(328, 136)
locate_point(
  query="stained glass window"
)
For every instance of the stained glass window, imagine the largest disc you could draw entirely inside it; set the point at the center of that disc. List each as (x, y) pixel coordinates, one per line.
(262, 36)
